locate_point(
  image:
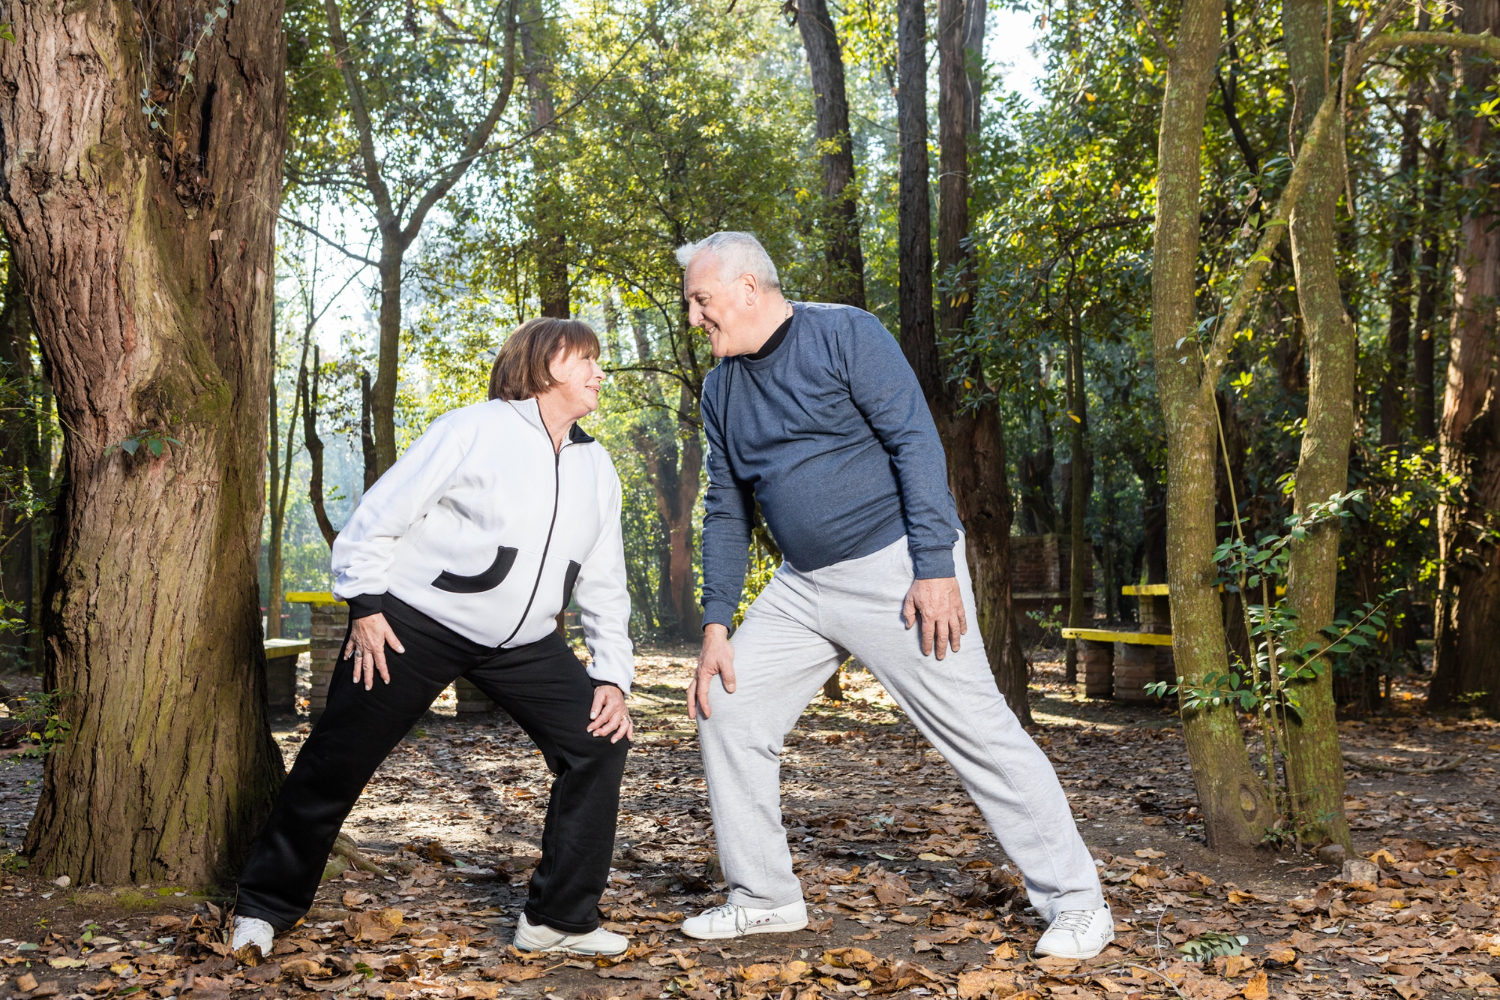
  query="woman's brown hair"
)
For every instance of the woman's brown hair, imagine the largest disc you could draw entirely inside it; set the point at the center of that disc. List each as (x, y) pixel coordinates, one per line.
(522, 366)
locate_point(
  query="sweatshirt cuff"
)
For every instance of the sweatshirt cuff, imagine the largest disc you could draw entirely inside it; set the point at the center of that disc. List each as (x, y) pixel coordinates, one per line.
(364, 605)
(719, 613)
(933, 564)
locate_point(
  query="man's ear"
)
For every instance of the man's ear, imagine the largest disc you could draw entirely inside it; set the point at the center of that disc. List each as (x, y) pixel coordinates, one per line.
(752, 288)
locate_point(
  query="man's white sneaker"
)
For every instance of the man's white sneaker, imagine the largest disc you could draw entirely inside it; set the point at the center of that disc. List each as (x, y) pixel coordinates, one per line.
(1078, 934)
(730, 920)
(540, 937)
(252, 930)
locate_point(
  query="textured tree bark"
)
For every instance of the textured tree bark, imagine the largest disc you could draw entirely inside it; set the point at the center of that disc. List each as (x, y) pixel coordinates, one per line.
(1468, 617)
(840, 214)
(147, 256)
(1315, 766)
(279, 482)
(1235, 807)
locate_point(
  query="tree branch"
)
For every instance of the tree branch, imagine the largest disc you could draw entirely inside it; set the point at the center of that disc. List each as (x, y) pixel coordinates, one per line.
(477, 138)
(359, 108)
(1161, 40)
(337, 246)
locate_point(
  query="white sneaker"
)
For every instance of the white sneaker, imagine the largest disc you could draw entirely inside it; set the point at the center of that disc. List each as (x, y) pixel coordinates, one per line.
(1078, 934)
(252, 930)
(730, 920)
(540, 937)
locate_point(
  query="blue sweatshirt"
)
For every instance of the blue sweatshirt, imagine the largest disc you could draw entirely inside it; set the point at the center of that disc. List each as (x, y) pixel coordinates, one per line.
(830, 432)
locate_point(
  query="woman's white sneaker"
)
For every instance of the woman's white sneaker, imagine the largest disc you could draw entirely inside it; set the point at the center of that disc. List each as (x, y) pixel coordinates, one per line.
(730, 921)
(1078, 934)
(540, 937)
(252, 930)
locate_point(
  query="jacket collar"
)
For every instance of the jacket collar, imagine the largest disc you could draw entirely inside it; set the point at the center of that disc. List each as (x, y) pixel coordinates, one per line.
(531, 412)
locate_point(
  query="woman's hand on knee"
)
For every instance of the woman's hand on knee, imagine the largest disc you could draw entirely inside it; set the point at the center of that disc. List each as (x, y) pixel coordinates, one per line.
(610, 716)
(368, 638)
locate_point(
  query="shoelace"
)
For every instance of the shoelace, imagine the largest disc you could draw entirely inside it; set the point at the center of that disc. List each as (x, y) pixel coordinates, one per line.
(1076, 921)
(730, 910)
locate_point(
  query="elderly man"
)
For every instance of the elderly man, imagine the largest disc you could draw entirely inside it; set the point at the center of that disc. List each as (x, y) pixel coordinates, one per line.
(814, 412)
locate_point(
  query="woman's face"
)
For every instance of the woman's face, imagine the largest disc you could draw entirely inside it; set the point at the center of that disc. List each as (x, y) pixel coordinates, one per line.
(575, 384)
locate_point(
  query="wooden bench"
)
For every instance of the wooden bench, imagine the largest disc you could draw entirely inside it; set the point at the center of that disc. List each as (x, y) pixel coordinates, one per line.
(1119, 663)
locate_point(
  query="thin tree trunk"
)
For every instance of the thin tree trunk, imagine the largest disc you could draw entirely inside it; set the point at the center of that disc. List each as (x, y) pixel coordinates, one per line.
(550, 238)
(1468, 616)
(1080, 484)
(1315, 766)
(18, 437)
(280, 489)
(840, 214)
(273, 504)
(161, 326)
(978, 480)
(397, 237)
(1235, 806)
(314, 445)
(1398, 333)
(1430, 282)
(369, 437)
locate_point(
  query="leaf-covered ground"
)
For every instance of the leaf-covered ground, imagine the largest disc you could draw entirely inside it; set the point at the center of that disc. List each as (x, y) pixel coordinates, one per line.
(910, 895)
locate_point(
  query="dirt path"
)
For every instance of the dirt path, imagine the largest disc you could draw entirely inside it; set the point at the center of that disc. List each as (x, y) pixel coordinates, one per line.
(909, 894)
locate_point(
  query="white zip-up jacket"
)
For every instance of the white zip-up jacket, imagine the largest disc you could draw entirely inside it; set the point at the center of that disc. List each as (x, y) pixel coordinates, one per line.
(483, 527)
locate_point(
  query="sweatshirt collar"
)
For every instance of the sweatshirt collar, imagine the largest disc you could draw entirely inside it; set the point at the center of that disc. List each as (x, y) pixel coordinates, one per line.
(531, 412)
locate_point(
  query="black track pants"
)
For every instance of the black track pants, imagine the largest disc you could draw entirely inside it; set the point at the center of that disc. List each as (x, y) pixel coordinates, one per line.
(543, 687)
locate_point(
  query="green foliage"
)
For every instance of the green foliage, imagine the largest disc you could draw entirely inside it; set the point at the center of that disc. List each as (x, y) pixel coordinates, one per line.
(154, 440)
(1210, 945)
(43, 726)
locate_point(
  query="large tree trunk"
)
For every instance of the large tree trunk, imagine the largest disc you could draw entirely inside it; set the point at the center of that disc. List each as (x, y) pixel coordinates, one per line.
(913, 207)
(148, 263)
(1315, 766)
(1468, 619)
(840, 211)
(1233, 798)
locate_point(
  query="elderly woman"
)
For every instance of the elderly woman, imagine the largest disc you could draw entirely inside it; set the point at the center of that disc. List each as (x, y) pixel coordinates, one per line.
(456, 564)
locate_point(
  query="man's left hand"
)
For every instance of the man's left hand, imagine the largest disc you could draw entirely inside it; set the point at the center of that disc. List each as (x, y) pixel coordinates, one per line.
(940, 605)
(610, 716)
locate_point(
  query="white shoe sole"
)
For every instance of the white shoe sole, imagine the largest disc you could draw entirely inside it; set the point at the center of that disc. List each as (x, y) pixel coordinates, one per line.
(1057, 954)
(781, 928)
(559, 949)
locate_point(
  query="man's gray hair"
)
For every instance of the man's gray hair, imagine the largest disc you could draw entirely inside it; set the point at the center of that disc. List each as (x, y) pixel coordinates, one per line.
(738, 253)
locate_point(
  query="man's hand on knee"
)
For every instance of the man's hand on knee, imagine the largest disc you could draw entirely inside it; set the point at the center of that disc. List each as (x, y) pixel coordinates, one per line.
(940, 606)
(717, 658)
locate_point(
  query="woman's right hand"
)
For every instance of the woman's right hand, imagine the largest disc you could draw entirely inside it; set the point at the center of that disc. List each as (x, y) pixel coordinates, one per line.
(368, 638)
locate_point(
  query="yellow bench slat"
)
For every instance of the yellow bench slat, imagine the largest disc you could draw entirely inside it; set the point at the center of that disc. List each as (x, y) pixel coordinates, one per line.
(310, 597)
(1111, 635)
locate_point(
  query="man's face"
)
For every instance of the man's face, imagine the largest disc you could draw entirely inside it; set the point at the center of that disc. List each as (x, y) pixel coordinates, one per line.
(724, 309)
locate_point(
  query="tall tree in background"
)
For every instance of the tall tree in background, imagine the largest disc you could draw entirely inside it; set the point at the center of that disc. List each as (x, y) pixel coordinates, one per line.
(392, 195)
(1468, 616)
(548, 217)
(1315, 766)
(26, 486)
(150, 279)
(840, 208)
(972, 434)
(1235, 806)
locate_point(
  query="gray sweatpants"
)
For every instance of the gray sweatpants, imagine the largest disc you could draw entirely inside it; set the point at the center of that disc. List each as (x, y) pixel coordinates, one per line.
(793, 637)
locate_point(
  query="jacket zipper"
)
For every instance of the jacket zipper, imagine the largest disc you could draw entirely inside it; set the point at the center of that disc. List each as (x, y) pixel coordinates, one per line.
(556, 498)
